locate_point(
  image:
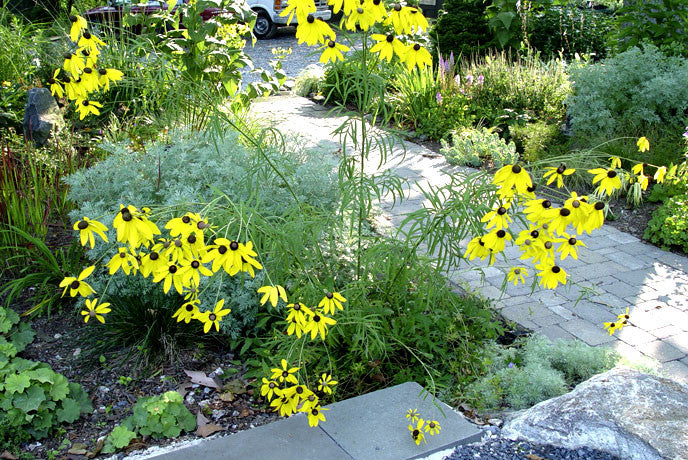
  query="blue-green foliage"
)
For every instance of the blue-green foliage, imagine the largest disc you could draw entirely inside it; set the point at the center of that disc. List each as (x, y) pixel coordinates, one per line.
(624, 94)
(187, 173)
(539, 370)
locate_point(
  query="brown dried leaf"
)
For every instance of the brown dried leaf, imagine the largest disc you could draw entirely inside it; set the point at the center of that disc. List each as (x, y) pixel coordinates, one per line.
(78, 449)
(183, 389)
(202, 379)
(534, 457)
(244, 413)
(6, 455)
(201, 419)
(208, 429)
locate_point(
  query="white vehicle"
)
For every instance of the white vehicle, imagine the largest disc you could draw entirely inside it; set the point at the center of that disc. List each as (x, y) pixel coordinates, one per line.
(269, 18)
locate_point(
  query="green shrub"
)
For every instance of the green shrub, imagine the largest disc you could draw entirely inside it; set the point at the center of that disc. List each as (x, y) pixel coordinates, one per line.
(668, 227)
(659, 22)
(569, 29)
(626, 93)
(517, 89)
(309, 80)
(471, 146)
(537, 141)
(185, 174)
(14, 335)
(539, 369)
(161, 416)
(461, 28)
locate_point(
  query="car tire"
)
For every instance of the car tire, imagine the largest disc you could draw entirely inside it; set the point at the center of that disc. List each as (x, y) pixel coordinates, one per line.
(264, 27)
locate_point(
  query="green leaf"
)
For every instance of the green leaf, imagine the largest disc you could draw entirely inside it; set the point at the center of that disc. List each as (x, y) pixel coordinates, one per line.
(70, 411)
(60, 389)
(78, 393)
(506, 18)
(17, 383)
(119, 438)
(30, 400)
(43, 375)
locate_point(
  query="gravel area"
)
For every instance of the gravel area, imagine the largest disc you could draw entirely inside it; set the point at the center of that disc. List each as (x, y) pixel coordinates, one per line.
(301, 55)
(495, 447)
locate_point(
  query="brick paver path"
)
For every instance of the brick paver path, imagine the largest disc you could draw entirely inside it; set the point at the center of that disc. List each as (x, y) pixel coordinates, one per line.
(622, 270)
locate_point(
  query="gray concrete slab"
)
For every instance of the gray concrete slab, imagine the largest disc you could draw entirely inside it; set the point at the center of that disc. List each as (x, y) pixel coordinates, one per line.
(374, 426)
(286, 439)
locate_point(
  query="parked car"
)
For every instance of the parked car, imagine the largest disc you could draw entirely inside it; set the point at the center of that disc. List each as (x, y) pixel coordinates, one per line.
(269, 18)
(267, 22)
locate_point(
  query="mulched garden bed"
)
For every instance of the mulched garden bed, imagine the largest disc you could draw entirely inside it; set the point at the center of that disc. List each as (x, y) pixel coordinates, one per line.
(232, 408)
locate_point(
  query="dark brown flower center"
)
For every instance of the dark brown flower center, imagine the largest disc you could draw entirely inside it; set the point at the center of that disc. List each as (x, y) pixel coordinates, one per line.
(88, 70)
(154, 256)
(316, 318)
(222, 249)
(397, 7)
(575, 204)
(329, 295)
(415, 434)
(271, 384)
(297, 306)
(72, 18)
(285, 374)
(416, 47)
(556, 269)
(172, 269)
(233, 245)
(310, 19)
(102, 72)
(565, 212)
(195, 264)
(122, 254)
(517, 271)
(166, 244)
(82, 225)
(299, 390)
(87, 35)
(599, 206)
(546, 204)
(561, 169)
(85, 104)
(390, 38)
(534, 233)
(359, 10)
(501, 211)
(201, 225)
(178, 243)
(186, 219)
(516, 169)
(572, 241)
(212, 317)
(189, 307)
(191, 239)
(611, 174)
(548, 245)
(330, 44)
(501, 233)
(531, 189)
(75, 284)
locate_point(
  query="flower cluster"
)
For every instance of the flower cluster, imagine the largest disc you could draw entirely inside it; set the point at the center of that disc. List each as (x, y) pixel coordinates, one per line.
(287, 396)
(179, 260)
(621, 321)
(302, 319)
(418, 426)
(82, 77)
(364, 14)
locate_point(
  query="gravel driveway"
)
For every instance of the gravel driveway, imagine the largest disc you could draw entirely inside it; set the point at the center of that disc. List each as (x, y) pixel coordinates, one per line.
(301, 55)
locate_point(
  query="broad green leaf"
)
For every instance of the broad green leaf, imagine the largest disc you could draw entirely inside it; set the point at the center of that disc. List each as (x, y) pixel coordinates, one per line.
(60, 388)
(78, 393)
(43, 375)
(121, 437)
(30, 400)
(17, 383)
(70, 411)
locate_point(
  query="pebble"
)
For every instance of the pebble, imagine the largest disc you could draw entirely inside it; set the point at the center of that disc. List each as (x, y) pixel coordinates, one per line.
(498, 448)
(216, 372)
(204, 403)
(103, 389)
(58, 336)
(219, 413)
(235, 413)
(77, 352)
(206, 390)
(495, 421)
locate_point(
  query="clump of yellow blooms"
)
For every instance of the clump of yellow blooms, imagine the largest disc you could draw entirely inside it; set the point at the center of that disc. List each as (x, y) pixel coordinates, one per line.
(80, 76)
(553, 232)
(418, 426)
(402, 20)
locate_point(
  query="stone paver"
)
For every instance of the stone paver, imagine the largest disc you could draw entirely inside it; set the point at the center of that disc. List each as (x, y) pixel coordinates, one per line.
(371, 426)
(623, 270)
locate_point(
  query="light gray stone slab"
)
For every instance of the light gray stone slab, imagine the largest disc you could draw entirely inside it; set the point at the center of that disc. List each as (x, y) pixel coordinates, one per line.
(554, 333)
(679, 341)
(635, 336)
(373, 426)
(661, 351)
(668, 331)
(286, 439)
(594, 312)
(591, 333)
(675, 370)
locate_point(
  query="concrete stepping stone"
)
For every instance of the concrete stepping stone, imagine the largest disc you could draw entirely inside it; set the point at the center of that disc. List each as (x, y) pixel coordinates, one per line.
(371, 426)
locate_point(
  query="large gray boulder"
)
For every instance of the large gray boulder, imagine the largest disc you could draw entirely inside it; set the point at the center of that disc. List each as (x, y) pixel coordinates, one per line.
(41, 116)
(624, 412)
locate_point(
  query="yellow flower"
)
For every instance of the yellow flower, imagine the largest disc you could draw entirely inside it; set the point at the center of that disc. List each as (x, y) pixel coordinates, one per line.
(551, 275)
(85, 107)
(312, 31)
(187, 311)
(412, 414)
(272, 293)
(359, 16)
(170, 274)
(659, 175)
(210, 318)
(285, 373)
(346, 5)
(295, 327)
(78, 24)
(105, 76)
(517, 274)
(512, 176)
(557, 174)
(73, 64)
(330, 301)
(283, 404)
(496, 240)
(93, 310)
(87, 228)
(73, 89)
(608, 178)
(377, 9)
(192, 271)
(317, 324)
(416, 20)
(624, 316)
(615, 162)
(643, 144)
(90, 42)
(55, 86)
(387, 45)
(89, 79)
(333, 51)
(152, 263)
(497, 218)
(416, 55)
(316, 415)
(269, 388)
(78, 285)
(133, 227)
(6, 84)
(611, 327)
(417, 432)
(476, 248)
(230, 255)
(398, 17)
(325, 382)
(302, 8)
(433, 427)
(568, 246)
(124, 260)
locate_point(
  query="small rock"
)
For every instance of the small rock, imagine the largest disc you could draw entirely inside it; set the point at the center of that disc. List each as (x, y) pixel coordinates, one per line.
(204, 403)
(190, 399)
(42, 116)
(206, 390)
(216, 372)
(219, 413)
(58, 357)
(103, 389)
(495, 421)
(235, 413)
(77, 352)
(58, 336)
